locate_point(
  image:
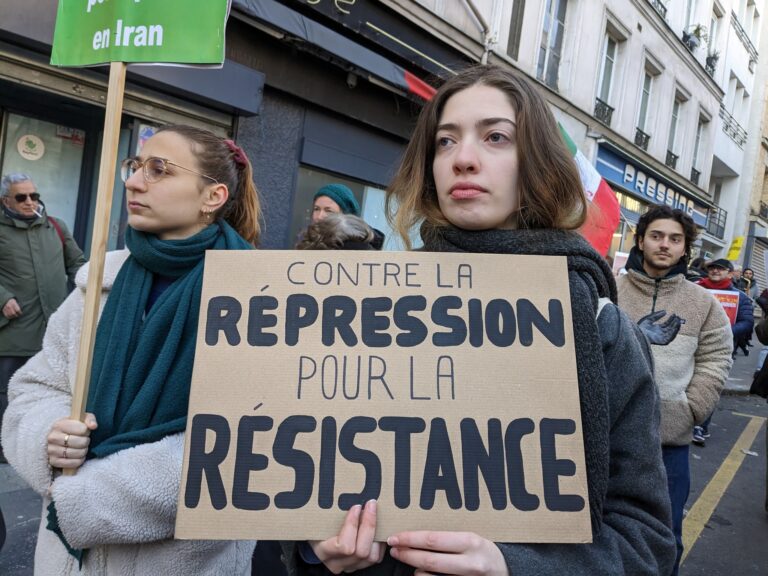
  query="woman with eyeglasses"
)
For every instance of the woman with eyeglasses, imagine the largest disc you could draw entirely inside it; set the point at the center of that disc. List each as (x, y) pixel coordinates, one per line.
(187, 192)
(487, 172)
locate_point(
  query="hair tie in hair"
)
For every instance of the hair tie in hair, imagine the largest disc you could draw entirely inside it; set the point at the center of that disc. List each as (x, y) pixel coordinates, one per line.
(238, 154)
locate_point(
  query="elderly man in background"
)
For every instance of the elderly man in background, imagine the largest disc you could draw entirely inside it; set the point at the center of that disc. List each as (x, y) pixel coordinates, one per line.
(37, 257)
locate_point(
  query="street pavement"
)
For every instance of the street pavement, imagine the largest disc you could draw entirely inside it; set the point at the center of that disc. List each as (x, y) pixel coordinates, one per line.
(726, 526)
(728, 484)
(21, 508)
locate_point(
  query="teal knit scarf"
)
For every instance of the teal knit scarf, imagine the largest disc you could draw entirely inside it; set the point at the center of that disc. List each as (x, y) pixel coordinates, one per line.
(142, 365)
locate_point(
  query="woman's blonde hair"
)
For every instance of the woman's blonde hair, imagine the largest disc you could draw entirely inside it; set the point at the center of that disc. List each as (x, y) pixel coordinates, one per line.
(216, 159)
(551, 193)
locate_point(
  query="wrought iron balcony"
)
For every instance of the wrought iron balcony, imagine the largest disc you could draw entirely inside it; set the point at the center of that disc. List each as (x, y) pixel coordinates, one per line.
(671, 160)
(716, 218)
(660, 8)
(642, 139)
(695, 175)
(733, 128)
(603, 112)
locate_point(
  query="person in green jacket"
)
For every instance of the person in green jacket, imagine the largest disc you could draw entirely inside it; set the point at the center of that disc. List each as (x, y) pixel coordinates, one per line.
(37, 257)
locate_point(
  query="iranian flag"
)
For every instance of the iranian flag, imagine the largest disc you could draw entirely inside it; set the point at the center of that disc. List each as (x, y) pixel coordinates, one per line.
(603, 215)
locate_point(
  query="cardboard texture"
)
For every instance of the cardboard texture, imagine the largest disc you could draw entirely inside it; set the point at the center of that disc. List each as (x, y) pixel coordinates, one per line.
(442, 385)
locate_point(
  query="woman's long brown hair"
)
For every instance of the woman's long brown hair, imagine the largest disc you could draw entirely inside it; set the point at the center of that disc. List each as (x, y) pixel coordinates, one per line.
(551, 193)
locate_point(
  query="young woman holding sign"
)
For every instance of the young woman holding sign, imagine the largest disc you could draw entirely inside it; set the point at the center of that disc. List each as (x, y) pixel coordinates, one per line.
(486, 171)
(187, 192)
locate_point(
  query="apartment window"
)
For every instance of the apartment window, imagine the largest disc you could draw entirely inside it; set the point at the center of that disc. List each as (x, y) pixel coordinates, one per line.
(755, 32)
(606, 73)
(744, 113)
(748, 20)
(516, 29)
(690, 13)
(700, 127)
(697, 146)
(551, 48)
(717, 192)
(642, 136)
(714, 28)
(673, 125)
(645, 99)
(672, 155)
(740, 100)
(742, 14)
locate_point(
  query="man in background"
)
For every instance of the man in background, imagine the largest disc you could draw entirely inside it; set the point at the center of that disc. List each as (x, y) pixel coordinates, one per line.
(692, 368)
(38, 256)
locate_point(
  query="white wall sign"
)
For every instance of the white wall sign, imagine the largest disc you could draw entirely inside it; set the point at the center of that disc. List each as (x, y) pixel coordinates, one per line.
(30, 147)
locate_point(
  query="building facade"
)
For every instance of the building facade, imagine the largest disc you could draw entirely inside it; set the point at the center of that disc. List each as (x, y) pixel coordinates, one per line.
(756, 246)
(661, 96)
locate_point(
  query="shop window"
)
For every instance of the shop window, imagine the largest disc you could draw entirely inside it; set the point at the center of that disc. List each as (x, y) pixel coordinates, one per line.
(129, 144)
(52, 155)
(371, 200)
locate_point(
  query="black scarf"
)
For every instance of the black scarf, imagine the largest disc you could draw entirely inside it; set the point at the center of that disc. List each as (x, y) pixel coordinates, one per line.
(589, 278)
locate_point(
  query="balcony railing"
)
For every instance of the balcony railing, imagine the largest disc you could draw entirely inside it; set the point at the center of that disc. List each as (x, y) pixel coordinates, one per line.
(733, 128)
(716, 218)
(603, 112)
(671, 159)
(744, 37)
(695, 175)
(660, 8)
(642, 139)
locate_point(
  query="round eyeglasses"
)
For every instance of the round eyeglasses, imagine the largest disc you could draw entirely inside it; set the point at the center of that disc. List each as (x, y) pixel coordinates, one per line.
(154, 169)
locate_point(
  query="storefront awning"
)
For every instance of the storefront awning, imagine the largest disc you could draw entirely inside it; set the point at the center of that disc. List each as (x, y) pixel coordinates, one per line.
(305, 29)
(629, 216)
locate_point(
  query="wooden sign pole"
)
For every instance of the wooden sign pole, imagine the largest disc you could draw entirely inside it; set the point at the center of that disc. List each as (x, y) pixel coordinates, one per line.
(109, 145)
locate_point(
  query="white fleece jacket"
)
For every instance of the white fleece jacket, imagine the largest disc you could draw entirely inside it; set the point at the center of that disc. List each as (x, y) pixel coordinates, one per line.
(122, 508)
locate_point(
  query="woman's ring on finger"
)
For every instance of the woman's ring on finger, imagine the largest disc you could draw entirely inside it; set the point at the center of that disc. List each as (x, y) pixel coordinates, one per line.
(66, 441)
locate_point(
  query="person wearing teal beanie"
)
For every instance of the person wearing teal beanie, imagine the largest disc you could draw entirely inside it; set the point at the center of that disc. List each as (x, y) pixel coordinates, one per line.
(334, 198)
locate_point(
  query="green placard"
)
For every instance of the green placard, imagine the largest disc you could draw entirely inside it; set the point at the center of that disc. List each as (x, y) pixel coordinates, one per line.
(163, 31)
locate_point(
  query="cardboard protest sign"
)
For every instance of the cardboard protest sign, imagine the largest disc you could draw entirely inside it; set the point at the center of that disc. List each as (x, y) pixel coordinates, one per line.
(442, 385)
(92, 32)
(730, 302)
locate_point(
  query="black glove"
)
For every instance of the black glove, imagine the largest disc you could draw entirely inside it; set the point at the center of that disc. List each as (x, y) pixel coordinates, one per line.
(660, 334)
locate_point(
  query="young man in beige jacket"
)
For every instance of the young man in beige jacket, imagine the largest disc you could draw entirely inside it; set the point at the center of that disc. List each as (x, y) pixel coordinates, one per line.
(692, 368)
